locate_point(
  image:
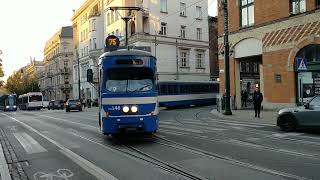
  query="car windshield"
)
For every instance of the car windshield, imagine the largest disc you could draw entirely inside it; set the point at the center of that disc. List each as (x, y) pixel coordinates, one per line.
(73, 101)
(129, 80)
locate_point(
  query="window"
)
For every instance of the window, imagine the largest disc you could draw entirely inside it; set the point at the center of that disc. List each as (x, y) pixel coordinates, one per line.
(247, 13)
(315, 102)
(163, 6)
(198, 12)
(200, 59)
(163, 29)
(116, 16)
(199, 34)
(310, 52)
(117, 32)
(94, 43)
(256, 67)
(108, 19)
(317, 3)
(297, 6)
(183, 32)
(183, 9)
(90, 45)
(184, 58)
(112, 17)
(94, 24)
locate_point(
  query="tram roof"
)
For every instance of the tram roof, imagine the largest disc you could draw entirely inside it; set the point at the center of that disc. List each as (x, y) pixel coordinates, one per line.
(125, 52)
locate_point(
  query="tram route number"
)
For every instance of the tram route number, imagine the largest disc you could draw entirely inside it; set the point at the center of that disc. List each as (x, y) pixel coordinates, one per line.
(114, 108)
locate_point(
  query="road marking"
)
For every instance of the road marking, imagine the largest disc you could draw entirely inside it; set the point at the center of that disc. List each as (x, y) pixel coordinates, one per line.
(282, 135)
(4, 171)
(30, 145)
(258, 146)
(238, 122)
(60, 174)
(59, 119)
(196, 123)
(172, 133)
(85, 164)
(181, 129)
(170, 123)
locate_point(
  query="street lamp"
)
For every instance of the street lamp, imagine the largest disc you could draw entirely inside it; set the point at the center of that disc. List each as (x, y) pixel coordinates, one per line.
(226, 59)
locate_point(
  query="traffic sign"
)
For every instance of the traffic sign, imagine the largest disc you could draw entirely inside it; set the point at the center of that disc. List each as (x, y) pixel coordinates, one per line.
(302, 64)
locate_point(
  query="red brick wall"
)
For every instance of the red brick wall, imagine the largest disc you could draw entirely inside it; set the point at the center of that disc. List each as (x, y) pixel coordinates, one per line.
(276, 63)
(264, 12)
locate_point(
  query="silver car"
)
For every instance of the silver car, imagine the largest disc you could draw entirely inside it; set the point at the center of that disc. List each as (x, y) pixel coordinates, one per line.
(303, 117)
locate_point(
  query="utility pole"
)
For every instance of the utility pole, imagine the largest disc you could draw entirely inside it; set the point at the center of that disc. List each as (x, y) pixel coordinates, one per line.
(226, 59)
(126, 20)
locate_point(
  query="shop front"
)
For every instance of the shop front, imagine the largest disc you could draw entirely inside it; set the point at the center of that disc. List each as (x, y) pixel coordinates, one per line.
(308, 80)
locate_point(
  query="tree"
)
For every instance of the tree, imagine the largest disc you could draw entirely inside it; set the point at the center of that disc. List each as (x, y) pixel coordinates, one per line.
(1, 74)
(18, 84)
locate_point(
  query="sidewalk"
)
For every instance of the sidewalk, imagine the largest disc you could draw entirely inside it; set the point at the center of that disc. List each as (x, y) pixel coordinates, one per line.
(266, 117)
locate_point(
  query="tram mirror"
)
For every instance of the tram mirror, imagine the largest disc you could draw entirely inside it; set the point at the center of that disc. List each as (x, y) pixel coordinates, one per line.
(90, 75)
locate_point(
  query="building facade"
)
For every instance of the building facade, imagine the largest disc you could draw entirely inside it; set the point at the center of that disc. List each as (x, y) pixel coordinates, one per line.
(176, 33)
(88, 28)
(56, 79)
(35, 68)
(213, 47)
(266, 39)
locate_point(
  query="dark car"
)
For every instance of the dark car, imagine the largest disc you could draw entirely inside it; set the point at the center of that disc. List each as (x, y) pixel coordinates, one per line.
(56, 104)
(303, 117)
(73, 105)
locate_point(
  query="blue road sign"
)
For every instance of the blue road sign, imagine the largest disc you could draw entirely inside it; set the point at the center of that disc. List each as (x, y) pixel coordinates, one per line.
(302, 64)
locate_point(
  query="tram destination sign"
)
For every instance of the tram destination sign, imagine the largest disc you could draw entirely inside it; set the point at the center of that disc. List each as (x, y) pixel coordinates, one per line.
(112, 43)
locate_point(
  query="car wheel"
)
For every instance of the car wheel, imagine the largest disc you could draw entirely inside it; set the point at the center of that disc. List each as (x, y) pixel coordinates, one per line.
(287, 123)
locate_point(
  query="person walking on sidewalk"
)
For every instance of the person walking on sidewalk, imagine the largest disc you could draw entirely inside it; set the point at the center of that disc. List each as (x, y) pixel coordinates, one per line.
(244, 98)
(257, 100)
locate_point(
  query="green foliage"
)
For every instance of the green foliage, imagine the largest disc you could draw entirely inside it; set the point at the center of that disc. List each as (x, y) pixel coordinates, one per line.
(1, 74)
(18, 84)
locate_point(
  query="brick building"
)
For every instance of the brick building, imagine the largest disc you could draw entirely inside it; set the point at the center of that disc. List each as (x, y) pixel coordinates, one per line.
(266, 39)
(213, 47)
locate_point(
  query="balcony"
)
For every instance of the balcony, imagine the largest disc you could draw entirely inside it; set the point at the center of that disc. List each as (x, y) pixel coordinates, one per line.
(65, 71)
(65, 86)
(49, 74)
(145, 12)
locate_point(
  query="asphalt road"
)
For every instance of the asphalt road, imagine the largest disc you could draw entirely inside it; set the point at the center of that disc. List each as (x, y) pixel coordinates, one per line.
(190, 144)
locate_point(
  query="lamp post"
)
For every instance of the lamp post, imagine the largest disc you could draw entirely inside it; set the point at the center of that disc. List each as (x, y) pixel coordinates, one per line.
(226, 58)
(79, 85)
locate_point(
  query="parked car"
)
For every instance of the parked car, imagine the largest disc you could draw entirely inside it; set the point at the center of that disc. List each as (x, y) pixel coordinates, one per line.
(73, 104)
(56, 104)
(303, 117)
(45, 104)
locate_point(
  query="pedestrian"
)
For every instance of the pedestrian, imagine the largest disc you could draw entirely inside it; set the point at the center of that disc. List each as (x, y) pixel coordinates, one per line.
(257, 100)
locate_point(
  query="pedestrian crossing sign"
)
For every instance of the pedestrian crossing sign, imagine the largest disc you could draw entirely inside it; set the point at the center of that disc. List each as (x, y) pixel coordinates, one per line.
(301, 64)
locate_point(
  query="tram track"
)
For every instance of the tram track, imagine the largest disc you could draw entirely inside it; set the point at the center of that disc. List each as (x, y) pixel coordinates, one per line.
(133, 152)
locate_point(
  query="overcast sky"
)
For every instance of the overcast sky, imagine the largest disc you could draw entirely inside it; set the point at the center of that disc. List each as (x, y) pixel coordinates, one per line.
(26, 25)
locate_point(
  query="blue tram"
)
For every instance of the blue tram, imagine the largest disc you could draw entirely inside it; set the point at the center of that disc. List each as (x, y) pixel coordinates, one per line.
(128, 91)
(8, 102)
(179, 93)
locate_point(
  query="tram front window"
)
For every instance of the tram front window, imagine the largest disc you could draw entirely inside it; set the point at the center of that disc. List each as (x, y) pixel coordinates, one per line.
(129, 80)
(10, 101)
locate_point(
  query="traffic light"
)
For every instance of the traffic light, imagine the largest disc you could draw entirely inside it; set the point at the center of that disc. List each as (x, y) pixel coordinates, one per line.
(90, 75)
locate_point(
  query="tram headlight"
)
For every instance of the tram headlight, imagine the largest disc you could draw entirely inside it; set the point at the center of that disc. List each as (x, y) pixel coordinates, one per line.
(7, 107)
(125, 109)
(14, 106)
(134, 109)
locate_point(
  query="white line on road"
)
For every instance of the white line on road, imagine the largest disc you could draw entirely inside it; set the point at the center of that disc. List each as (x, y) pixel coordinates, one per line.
(4, 171)
(238, 122)
(85, 164)
(29, 144)
(181, 129)
(59, 119)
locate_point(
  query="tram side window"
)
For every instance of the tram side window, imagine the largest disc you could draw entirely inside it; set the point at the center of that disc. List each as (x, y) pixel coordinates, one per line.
(172, 89)
(163, 89)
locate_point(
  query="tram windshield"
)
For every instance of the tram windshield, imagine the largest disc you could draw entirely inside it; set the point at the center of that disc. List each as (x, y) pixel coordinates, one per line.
(130, 80)
(11, 101)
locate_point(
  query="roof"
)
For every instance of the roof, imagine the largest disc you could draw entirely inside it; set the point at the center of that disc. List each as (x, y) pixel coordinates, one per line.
(66, 31)
(125, 52)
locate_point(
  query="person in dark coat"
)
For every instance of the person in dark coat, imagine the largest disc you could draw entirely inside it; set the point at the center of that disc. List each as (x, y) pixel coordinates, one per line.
(244, 98)
(257, 100)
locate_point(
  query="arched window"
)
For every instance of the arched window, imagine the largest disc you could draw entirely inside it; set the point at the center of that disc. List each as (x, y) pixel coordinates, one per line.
(133, 28)
(310, 52)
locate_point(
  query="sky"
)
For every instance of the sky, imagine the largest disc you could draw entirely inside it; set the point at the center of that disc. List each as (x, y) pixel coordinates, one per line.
(26, 25)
